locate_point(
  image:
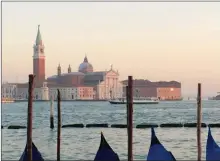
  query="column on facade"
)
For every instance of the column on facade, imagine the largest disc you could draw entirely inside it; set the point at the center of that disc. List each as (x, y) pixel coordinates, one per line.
(109, 86)
(116, 88)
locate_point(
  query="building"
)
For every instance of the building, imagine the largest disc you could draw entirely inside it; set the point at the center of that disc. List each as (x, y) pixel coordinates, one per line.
(9, 90)
(39, 93)
(216, 97)
(162, 90)
(73, 93)
(82, 84)
(104, 84)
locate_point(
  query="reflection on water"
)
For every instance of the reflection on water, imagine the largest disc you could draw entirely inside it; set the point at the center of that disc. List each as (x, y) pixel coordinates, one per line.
(77, 143)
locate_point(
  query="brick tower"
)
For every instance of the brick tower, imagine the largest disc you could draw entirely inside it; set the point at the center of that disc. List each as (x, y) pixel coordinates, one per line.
(39, 59)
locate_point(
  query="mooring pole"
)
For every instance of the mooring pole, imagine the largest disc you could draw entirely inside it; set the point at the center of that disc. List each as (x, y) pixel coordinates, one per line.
(130, 118)
(127, 103)
(199, 121)
(51, 114)
(58, 125)
(29, 118)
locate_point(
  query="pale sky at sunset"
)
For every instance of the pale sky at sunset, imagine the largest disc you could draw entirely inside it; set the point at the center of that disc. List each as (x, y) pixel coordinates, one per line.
(156, 41)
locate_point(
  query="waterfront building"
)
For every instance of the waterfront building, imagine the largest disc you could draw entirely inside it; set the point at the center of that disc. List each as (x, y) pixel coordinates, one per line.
(72, 93)
(9, 90)
(216, 97)
(105, 84)
(82, 84)
(162, 90)
(87, 84)
(39, 93)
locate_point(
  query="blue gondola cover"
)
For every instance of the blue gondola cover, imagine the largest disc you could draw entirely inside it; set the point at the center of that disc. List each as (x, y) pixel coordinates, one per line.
(105, 152)
(157, 152)
(36, 155)
(212, 149)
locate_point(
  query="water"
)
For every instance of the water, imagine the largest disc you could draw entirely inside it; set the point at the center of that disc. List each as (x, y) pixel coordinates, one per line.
(83, 143)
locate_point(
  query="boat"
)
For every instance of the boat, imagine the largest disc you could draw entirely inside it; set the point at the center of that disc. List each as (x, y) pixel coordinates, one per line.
(105, 152)
(212, 148)
(136, 100)
(7, 100)
(36, 155)
(157, 152)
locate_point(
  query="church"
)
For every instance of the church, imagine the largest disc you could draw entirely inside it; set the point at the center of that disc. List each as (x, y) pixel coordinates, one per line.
(84, 84)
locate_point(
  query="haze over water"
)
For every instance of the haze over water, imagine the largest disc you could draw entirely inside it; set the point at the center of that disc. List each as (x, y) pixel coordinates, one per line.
(155, 41)
(82, 143)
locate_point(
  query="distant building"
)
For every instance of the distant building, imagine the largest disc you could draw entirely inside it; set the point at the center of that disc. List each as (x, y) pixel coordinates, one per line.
(83, 84)
(39, 93)
(73, 93)
(217, 97)
(162, 90)
(9, 90)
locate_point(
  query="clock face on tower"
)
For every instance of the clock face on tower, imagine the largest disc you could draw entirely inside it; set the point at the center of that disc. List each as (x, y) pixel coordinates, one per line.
(41, 50)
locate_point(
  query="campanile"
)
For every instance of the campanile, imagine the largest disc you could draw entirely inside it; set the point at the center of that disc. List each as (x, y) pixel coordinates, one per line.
(39, 59)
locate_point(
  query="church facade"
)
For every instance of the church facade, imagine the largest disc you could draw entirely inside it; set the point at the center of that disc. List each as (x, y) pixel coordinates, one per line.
(84, 84)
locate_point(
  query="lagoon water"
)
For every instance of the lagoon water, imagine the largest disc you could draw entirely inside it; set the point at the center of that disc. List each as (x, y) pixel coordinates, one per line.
(82, 143)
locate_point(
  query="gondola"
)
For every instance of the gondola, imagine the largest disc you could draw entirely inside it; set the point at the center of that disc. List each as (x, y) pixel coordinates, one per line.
(36, 155)
(157, 152)
(105, 152)
(212, 149)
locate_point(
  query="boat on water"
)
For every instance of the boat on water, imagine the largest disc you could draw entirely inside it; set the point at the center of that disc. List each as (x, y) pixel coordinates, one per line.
(157, 151)
(7, 100)
(212, 148)
(36, 155)
(105, 152)
(136, 100)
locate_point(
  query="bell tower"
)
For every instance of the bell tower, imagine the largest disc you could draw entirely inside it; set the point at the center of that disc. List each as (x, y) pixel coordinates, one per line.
(69, 69)
(59, 70)
(39, 59)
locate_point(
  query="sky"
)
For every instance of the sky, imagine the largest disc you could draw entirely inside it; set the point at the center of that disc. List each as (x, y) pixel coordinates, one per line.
(148, 40)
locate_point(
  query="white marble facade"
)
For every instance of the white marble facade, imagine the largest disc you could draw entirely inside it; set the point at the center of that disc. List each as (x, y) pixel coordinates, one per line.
(111, 87)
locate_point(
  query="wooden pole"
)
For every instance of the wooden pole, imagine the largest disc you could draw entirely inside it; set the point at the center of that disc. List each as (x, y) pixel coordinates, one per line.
(130, 118)
(51, 114)
(199, 121)
(29, 119)
(127, 103)
(58, 125)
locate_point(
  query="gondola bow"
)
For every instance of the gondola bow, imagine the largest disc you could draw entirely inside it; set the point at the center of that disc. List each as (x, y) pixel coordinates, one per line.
(157, 152)
(212, 149)
(36, 155)
(105, 152)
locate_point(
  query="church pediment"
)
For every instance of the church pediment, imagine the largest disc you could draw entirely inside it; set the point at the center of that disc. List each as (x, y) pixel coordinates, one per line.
(112, 73)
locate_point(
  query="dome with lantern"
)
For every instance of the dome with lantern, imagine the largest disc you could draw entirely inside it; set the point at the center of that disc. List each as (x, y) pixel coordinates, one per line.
(85, 66)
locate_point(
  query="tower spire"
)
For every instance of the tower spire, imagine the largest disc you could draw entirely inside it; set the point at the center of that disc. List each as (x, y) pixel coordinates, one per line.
(85, 59)
(69, 69)
(59, 70)
(38, 39)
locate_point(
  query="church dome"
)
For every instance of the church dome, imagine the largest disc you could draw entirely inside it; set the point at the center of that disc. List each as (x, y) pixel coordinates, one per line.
(85, 67)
